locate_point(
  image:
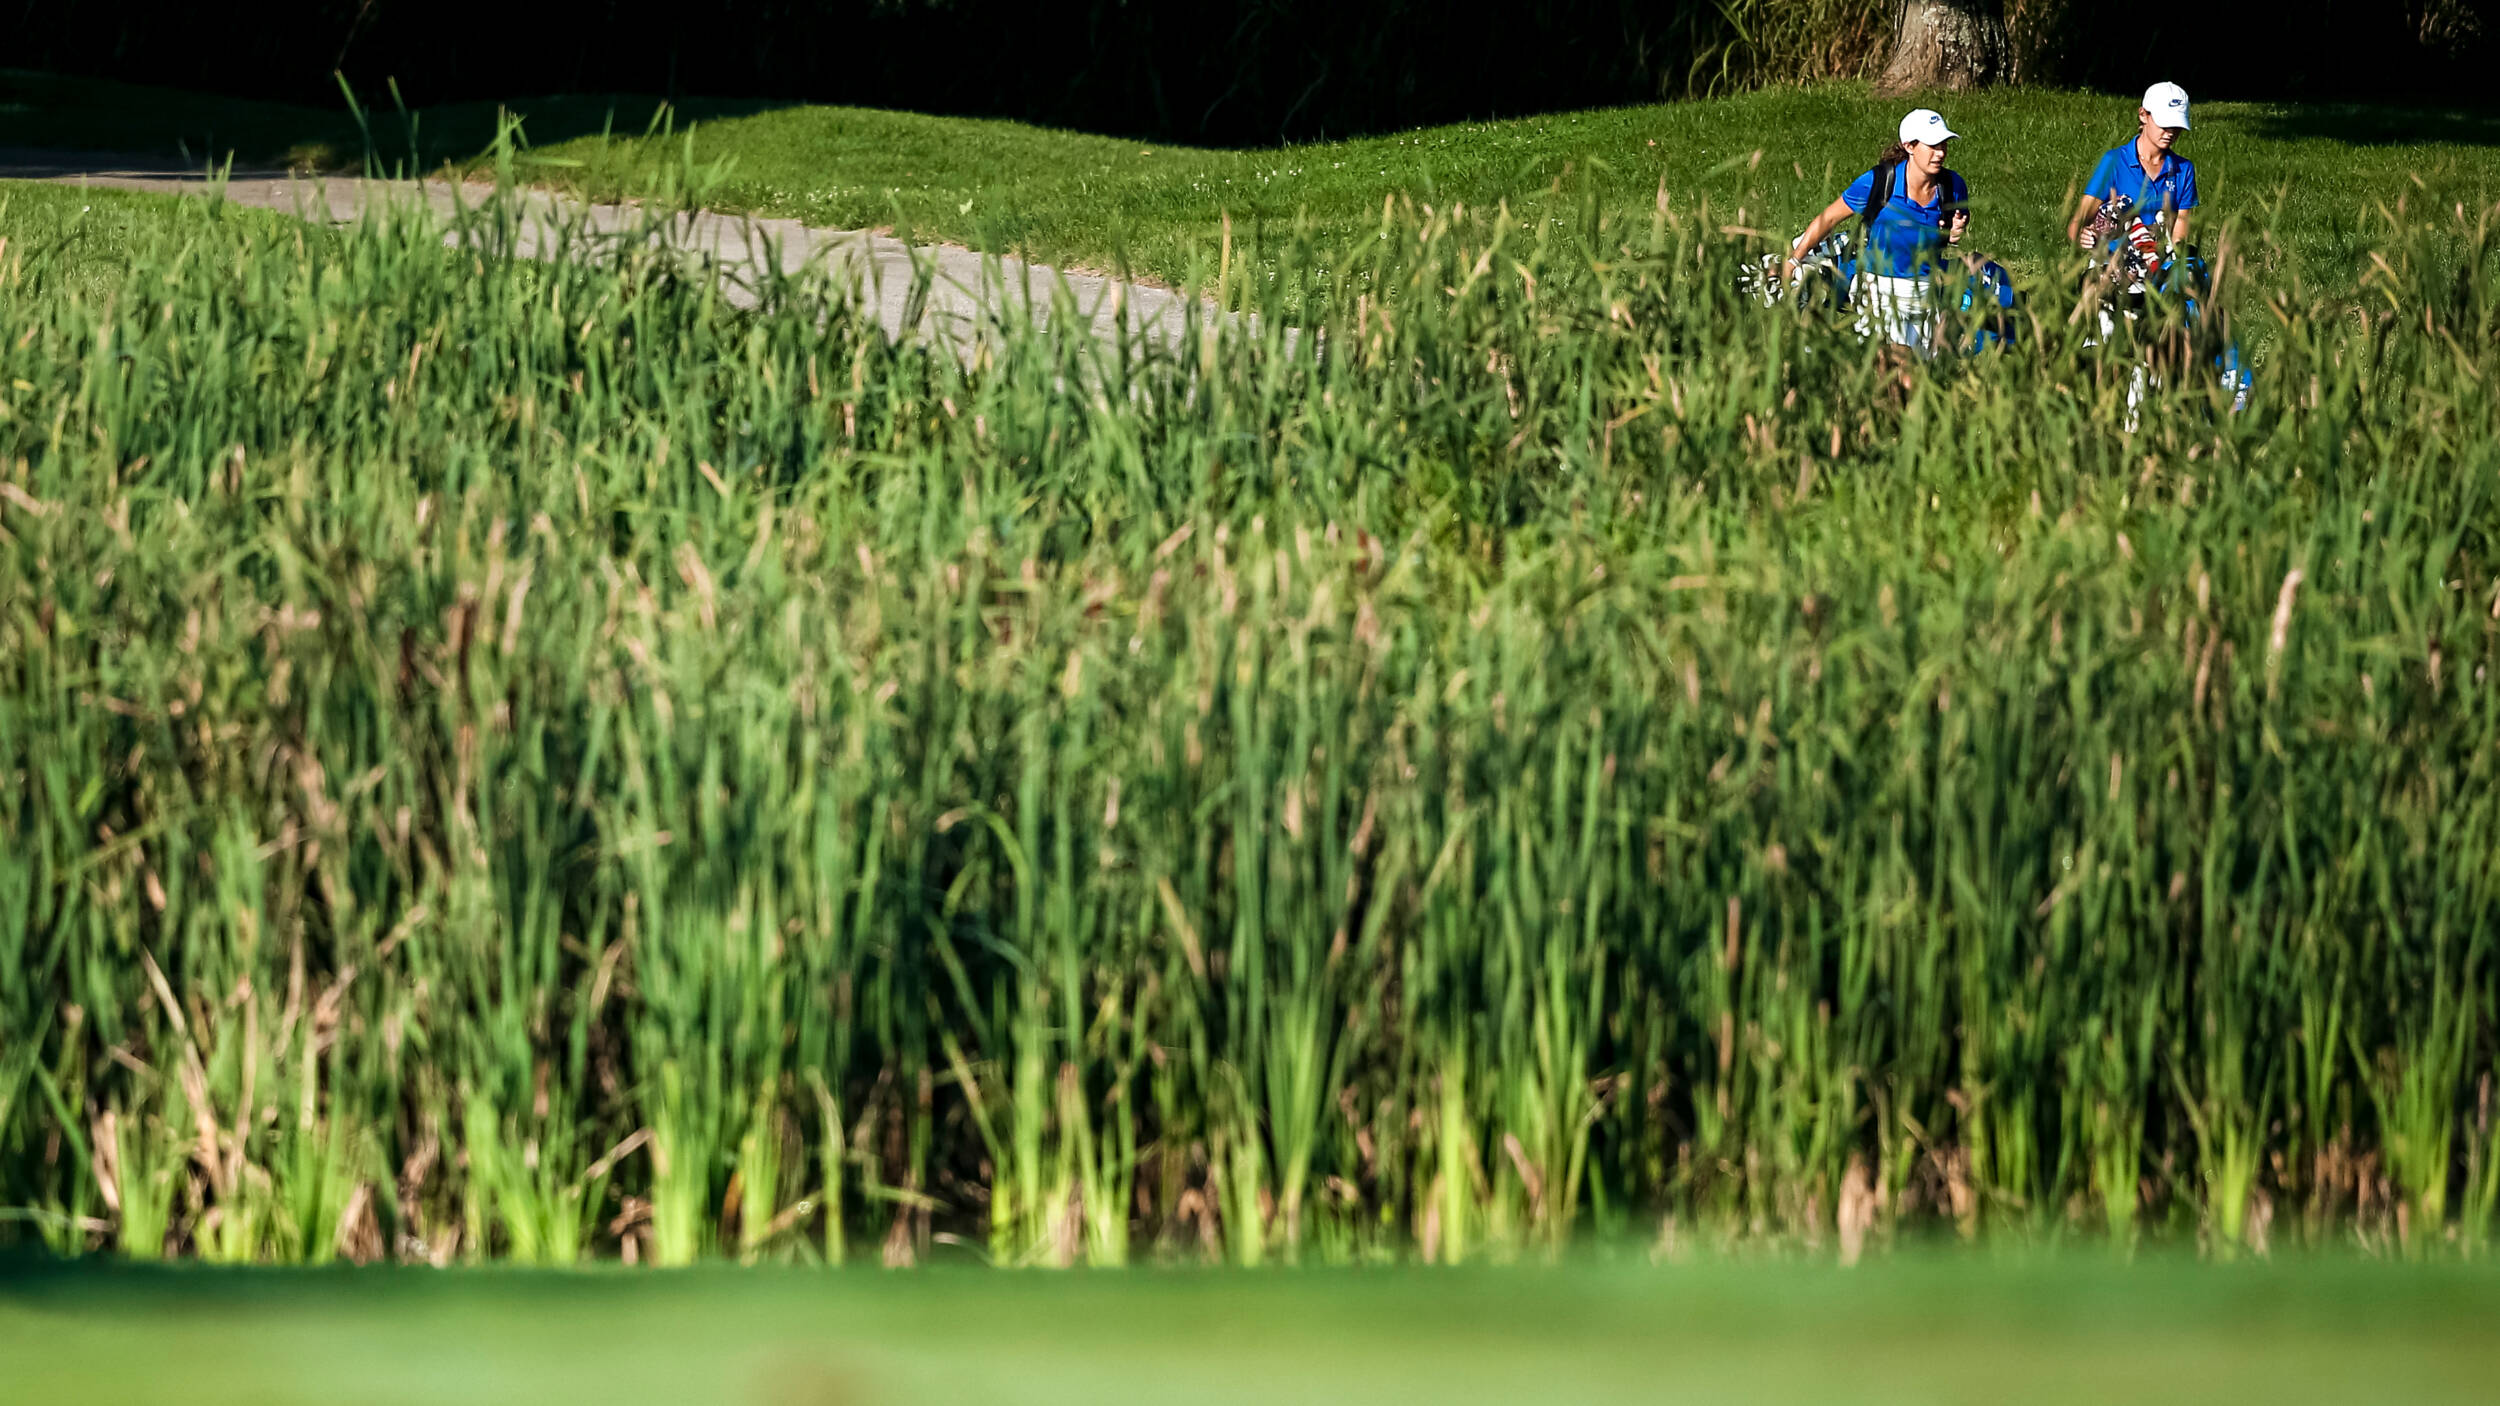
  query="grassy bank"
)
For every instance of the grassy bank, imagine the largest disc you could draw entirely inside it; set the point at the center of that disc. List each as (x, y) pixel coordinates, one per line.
(2315, 176)
(533, 762)
(73, 244)
(2051, 1331)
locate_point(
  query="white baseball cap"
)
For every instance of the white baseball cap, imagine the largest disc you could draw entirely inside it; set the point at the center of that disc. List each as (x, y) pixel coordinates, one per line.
(2168, 102)
(1927, 125)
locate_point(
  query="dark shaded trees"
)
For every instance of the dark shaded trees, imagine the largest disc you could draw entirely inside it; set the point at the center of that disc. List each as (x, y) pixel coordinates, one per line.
(1249, 71)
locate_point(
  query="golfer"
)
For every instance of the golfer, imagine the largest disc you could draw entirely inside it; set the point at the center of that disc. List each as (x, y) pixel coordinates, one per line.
(2144, 177)
(2134, 215)
(1910, 207)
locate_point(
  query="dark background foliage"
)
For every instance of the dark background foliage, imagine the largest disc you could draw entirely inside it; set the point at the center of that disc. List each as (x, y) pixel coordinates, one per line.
(1249, 71)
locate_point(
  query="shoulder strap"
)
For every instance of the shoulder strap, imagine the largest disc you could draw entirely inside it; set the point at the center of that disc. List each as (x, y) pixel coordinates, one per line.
(2152, 179)
(1878, 194)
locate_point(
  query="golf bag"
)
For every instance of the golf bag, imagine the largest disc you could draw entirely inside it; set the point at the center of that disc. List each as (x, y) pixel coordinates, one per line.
(2132, 267)
(1989, 292)
(1828, 280)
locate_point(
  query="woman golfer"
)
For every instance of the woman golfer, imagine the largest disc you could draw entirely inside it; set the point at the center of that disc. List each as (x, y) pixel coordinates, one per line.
(1910, 207)
(2144, 177)
(2134, 216)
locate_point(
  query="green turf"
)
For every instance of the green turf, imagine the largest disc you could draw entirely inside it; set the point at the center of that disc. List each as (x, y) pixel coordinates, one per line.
(1091, 200)
(1926, 1331)
(89, 238)
(2316, 174)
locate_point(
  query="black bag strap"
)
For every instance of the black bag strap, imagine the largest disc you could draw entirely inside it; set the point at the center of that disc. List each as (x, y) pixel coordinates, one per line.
(1878, 194)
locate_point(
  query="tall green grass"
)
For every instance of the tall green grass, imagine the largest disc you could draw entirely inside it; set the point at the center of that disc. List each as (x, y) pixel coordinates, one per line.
(531, 761)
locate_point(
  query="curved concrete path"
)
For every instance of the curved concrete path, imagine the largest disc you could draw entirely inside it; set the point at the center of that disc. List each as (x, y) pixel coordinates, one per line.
(967, 291)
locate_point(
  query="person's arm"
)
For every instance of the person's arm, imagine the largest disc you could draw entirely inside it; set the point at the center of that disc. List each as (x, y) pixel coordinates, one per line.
(2083, 213)
(1816, 231)
(2093, 185)
(2189, 199)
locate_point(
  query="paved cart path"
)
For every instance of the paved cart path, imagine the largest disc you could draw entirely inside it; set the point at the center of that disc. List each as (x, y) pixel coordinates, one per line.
(968, 292)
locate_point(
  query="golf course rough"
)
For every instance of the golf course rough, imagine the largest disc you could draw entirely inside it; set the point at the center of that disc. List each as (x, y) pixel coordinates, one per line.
(534, 761)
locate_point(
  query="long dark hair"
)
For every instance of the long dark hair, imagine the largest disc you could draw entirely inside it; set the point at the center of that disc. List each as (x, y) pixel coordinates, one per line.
(1887, 172)
(1897, 156)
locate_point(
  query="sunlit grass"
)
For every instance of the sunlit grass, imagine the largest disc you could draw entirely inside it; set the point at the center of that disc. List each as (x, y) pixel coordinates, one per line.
(2316, 175)
(530, 761)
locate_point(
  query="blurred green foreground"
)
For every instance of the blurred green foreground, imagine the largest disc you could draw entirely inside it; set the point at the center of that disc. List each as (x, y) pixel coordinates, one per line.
(1903, 1330)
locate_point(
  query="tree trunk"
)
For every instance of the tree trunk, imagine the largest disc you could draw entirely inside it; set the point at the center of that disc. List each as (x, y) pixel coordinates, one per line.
(1955, 44)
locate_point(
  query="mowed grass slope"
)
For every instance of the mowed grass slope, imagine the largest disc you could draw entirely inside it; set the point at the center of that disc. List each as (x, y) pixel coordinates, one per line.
(2316, 176)
(1941, 1332)
(67, 242)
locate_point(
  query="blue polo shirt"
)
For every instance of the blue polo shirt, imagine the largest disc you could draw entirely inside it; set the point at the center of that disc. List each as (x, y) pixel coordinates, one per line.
(1906, 235)
(2121, 179)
